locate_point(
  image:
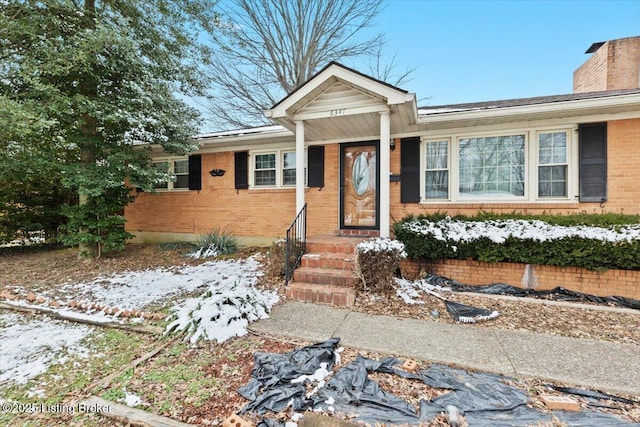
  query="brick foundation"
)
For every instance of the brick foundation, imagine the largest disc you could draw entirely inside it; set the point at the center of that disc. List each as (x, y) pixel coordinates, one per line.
(624, 283)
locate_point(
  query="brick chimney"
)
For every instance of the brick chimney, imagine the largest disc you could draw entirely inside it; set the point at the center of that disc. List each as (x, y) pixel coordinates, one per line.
(614, 64)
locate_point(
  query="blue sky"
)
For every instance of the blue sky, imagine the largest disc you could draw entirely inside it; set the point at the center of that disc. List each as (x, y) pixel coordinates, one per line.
(467, 51)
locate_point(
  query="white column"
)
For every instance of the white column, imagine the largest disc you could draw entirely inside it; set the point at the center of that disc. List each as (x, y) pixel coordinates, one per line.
(385, 159)
(299, 165)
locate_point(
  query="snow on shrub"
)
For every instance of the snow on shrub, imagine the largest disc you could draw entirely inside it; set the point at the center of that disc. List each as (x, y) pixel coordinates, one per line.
(215, 243)
(525, 240)
(226, 308)
(382, 244)
(377, 260)
(498, 231)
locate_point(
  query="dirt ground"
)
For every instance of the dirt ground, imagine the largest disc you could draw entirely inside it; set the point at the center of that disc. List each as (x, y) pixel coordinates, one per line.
(37, 270)
(198, 384)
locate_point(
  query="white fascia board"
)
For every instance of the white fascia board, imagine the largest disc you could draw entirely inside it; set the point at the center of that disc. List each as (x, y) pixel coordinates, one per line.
(393, 96)
(239, 132)
(232, 141)
(245, 138)
(412, 107)
(576, 106)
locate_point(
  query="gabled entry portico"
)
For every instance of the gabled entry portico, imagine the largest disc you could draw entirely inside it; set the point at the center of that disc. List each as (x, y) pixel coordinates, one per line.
(341, 105)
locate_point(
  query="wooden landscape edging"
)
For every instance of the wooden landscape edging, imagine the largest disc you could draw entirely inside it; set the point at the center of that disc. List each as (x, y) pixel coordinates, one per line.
(128, 415)
(144, 329)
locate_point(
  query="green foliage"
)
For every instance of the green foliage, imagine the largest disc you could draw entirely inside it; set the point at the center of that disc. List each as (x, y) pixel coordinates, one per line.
(97, 222)
(587, 253)
(32, 202)
(82, 86)
(177, 246)
(217, 242)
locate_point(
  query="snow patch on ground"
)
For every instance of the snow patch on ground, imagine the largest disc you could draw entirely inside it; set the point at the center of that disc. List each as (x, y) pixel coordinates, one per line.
(131, 399)
(136, 289)
(410, 291)
(133, 290)
(228, 305)
(32, 345)
(226, 308)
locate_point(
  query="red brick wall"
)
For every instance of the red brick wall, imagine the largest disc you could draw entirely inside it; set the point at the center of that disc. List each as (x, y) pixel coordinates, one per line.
(624, 283)
(592, 75)
(623, 139)
(615, 65)
(260, 212)
(623, 173)
(267, 213)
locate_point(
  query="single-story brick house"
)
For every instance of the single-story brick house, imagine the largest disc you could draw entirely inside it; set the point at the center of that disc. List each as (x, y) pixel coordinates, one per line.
(361, 154)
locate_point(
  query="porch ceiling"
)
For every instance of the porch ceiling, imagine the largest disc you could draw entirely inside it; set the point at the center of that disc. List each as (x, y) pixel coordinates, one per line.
(360, 127)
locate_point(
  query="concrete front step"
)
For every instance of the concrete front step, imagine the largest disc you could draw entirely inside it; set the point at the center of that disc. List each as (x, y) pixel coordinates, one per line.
(312, 292)
(328, 260)
(326, 276)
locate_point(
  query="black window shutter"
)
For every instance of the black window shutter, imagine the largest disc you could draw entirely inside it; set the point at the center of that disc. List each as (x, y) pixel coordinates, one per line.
(315, 156)
(593, 162)
(195, 172)
(242, 170)
(410, 170)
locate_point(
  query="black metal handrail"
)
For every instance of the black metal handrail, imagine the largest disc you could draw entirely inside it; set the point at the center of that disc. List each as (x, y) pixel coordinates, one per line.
(295, 243)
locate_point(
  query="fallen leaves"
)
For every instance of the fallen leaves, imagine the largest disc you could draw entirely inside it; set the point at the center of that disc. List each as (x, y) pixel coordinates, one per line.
(536, 317)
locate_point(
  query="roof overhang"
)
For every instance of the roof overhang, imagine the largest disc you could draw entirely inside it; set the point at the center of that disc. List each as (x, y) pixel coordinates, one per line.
(341, 103)
(610, 105)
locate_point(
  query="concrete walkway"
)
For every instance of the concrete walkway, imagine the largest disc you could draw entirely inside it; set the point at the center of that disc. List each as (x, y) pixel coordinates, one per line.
(593, 364)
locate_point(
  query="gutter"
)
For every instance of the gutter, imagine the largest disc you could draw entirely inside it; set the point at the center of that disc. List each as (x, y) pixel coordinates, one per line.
(564, 106)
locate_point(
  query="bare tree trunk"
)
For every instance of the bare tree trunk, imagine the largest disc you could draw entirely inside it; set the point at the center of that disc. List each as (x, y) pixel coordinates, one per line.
(87, 250)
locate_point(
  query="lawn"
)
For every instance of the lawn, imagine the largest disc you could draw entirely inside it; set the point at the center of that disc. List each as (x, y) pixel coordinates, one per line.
(54, 364)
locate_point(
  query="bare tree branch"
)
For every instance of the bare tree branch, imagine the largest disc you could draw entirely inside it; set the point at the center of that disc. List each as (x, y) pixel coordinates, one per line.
(265, 49)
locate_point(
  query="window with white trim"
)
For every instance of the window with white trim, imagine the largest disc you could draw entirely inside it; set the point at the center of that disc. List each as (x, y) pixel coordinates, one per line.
(436, 175)
(264, 170)
(178, 169)
(275, 168)
(552, 164)
(531, 164)
(181, 172)
(289, 168)
(492, 166)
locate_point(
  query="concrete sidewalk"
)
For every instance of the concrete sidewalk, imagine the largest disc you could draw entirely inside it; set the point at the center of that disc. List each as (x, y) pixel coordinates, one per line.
(593, 364)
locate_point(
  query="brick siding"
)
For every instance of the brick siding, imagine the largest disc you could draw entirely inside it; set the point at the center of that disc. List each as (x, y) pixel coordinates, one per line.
(253, 212)
(268, 212)
(615, 65)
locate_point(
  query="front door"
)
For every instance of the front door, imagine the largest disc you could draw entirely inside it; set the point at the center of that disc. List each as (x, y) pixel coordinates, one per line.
(359, 184)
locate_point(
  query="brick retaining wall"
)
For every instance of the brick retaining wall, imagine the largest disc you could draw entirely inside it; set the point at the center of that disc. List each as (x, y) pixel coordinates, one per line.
(624, 283)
